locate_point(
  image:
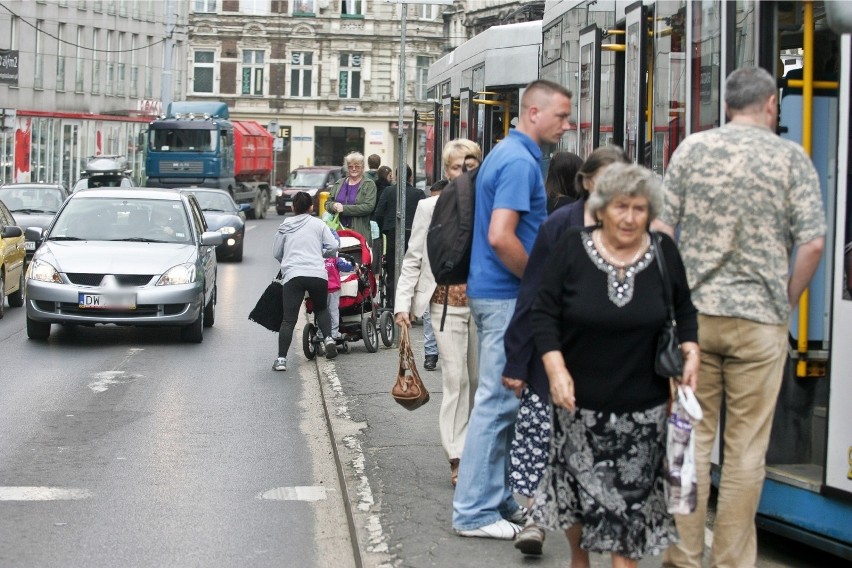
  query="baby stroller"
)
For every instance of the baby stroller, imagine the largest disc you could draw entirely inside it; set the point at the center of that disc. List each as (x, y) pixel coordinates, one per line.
(357, 300)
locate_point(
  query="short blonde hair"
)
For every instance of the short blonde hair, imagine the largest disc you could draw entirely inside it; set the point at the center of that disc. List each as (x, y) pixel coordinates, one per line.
(626, 180)
(353, 157)
(461, 147)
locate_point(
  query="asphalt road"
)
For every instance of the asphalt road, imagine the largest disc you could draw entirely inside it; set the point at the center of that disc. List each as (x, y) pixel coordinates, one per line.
(125, 447)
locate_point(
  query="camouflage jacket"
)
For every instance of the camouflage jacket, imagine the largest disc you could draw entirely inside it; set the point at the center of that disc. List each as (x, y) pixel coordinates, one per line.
(743, 197)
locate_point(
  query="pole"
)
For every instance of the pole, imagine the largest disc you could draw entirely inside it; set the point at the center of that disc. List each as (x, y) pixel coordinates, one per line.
(401, 170)
(168, 47)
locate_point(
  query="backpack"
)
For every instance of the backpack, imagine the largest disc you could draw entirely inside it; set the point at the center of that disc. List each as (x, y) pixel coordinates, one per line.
(450, 237)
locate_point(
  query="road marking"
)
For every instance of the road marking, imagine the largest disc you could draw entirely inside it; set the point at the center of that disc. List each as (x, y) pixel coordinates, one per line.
(250, 227)
(106, 379)
(43, 494)
(303, 493)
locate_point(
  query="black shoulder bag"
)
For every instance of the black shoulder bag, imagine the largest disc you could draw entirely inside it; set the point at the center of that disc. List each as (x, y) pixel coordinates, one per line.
(669, 361)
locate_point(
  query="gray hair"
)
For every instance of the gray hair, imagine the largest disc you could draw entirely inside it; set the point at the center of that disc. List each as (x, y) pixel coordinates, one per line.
(353, 157)
(627, 180)
(747, 87)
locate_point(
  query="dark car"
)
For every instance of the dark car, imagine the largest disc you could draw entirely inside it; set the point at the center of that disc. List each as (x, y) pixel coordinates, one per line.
(224, 216)
(33, 205)
(313, 180)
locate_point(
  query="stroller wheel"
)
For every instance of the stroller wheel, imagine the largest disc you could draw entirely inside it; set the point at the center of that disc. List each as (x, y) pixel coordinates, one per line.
(309, 334)
(344, 347)
(387, 328)
(370, 334)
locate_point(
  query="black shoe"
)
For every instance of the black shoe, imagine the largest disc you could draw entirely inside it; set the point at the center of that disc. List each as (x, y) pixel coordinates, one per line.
(431, 362)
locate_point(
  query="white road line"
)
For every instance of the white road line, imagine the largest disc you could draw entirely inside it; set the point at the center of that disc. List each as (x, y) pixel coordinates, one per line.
(106, 379)
(303, 493)
(43, 494)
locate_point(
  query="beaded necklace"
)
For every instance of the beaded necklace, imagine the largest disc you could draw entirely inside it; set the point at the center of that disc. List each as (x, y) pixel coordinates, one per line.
(619, 265)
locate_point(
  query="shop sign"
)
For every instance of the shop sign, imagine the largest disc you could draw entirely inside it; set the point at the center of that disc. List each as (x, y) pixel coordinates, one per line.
(149, 106)
(9, 66)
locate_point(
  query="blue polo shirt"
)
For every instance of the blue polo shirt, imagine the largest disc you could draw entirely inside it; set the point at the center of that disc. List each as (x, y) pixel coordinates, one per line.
(509, 178)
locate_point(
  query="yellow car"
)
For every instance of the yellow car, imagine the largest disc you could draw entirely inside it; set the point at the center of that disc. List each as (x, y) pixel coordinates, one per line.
(13, 251)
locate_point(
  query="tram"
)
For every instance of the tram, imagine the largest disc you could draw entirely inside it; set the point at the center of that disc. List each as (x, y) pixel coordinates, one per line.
(644, 76)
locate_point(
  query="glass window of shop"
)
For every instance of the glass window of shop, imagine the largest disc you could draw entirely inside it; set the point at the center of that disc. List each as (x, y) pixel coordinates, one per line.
(705, 67)
(669, 81)
(7, 146)
(41, 150)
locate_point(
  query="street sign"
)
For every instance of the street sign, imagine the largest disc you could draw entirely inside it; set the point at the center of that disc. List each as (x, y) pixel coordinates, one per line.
(278, 145)
(272, 128)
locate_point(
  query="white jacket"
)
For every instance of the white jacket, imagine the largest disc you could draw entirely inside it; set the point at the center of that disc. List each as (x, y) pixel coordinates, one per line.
(416, 283)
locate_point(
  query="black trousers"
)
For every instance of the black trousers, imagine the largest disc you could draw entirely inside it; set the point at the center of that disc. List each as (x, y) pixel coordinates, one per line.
(294, 293)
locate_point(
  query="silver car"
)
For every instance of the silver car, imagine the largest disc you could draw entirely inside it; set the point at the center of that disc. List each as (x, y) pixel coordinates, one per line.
(113, 256)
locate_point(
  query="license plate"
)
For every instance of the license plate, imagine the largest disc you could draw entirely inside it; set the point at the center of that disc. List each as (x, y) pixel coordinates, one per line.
(107, 301)
(29, 245)
(288, 203)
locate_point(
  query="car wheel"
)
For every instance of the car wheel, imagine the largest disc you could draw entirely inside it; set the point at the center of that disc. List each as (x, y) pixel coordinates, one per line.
(210, 310)
(2, 294)
(309, 348)
(238, 254)
(16, 299)
(280, 211)
(194, 332)
(37, 329)
(370, 334)
(387, 328)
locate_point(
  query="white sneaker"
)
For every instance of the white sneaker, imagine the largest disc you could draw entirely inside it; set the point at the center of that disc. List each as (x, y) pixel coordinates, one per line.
(519, 517)
(500, 530)
(330, 348)
(280, 364)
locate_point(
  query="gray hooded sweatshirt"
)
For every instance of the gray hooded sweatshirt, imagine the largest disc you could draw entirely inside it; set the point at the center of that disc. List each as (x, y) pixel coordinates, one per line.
(301, 244)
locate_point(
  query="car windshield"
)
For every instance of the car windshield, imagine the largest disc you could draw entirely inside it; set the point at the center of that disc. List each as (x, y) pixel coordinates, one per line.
(32, 199)
(118, 219)
(306, 179)
(215, 201)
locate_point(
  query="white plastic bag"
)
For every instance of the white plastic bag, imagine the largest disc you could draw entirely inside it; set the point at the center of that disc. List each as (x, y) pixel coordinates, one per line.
(681, 482)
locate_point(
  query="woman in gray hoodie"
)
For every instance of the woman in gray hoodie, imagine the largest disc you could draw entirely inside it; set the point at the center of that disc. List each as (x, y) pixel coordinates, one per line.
(301, 243)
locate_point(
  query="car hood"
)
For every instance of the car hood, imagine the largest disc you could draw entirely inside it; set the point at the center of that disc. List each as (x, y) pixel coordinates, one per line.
(40, 220)
(100, 257)
(218, 220)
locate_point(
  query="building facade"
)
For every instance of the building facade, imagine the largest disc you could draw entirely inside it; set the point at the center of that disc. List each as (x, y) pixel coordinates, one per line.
(80, 78)
(323, 74)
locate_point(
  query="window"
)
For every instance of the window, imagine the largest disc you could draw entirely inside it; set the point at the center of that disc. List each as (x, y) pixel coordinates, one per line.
(149, 70)
(301, 67)
(421, 77)
(202, 72)
(252, 72)
(119, 66)
(134, 67)
(80, 63)
(350, 76)
(205, 6)
(96, 63)
(351, 7)
(423, 11)
(110, 65)
(255, 7)
(303, 7)
(60, 58)
(38, 72)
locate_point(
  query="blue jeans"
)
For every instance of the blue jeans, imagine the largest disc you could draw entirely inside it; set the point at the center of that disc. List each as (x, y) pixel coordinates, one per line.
(430, 346)
(483, 494)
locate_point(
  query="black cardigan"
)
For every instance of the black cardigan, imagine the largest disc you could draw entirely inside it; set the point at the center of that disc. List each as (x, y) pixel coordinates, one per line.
(609, 350)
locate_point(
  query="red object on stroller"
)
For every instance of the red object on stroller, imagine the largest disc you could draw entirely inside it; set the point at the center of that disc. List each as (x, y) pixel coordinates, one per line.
(357, 298)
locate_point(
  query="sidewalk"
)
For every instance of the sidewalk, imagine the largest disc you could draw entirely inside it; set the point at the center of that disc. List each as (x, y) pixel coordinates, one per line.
(398, 479)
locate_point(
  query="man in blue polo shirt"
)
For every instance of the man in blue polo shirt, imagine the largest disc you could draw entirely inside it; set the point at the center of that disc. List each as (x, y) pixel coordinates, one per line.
(511, 205)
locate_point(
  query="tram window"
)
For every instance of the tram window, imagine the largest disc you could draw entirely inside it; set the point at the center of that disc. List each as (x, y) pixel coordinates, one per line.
(706, 64)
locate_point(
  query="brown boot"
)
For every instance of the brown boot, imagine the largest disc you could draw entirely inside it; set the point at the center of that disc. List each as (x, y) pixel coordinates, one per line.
(454, 471)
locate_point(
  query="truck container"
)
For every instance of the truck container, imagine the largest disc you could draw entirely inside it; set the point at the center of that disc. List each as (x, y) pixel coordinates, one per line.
(196, 144)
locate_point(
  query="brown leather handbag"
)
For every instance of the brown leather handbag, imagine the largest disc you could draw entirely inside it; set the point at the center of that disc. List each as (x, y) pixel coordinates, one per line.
(409, 390)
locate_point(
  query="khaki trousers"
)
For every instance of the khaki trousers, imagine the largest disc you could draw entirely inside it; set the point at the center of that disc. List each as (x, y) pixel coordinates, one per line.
(458, 354)
(741, 364)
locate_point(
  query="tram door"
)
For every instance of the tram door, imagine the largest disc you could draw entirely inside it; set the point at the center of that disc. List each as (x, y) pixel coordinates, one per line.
(465, 107)
(635, 67)
(449, 120)
(588, 107)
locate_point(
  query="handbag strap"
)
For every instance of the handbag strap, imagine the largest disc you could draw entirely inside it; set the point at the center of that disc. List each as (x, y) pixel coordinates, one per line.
(664, 274)
(406, 356)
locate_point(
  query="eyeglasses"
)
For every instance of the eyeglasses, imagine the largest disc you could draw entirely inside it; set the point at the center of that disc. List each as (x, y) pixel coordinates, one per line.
(355, 167)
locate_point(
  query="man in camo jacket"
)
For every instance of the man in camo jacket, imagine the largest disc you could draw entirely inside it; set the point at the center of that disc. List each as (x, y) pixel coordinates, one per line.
(742, 198)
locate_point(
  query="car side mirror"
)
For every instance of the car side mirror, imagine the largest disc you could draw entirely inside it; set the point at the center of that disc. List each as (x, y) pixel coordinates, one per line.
(212, 238)
(11, 231)
(244, 207)
(34, 234)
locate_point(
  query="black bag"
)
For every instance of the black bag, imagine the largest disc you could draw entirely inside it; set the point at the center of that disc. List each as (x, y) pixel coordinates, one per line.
(450, 236)
(269, 310)
(669, 360)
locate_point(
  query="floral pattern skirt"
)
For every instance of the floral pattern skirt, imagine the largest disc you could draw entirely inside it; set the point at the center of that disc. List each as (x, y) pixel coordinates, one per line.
(530, 445)
(605, 471)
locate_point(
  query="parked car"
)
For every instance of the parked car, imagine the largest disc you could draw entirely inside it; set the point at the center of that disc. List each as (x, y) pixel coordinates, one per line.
(12, 259)
(223, 215)
(313, 180)
(121, 257)
(33, 205)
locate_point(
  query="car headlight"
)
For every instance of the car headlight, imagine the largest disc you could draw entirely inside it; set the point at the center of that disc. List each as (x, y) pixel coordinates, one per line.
(43, 272)
(227, 230)
(180, 274)
(279, 192)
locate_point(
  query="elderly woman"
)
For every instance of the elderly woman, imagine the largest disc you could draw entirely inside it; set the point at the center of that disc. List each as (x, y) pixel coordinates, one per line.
(456, 343)
(596, 320)
(354, 197)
